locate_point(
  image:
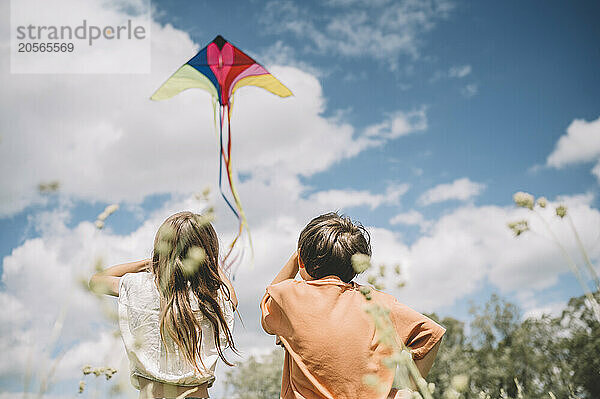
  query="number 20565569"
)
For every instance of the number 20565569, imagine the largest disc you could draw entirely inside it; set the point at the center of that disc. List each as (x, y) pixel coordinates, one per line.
(45, 47)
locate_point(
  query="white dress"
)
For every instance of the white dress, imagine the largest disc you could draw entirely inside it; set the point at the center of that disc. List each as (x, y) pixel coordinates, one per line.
(139, 311)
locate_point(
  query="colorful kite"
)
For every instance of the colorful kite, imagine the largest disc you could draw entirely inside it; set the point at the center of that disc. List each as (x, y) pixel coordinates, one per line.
(221, 68)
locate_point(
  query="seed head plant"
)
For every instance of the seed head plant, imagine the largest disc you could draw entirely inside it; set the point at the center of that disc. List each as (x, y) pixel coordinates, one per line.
(526, 200)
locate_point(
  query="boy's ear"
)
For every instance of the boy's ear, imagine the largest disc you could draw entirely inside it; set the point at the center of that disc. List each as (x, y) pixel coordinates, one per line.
(300, 263)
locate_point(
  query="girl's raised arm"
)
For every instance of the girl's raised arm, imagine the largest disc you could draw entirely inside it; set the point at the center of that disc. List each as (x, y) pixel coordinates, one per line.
(107, 281)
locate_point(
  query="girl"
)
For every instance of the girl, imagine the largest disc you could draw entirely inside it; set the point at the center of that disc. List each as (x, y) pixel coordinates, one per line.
(175, 310)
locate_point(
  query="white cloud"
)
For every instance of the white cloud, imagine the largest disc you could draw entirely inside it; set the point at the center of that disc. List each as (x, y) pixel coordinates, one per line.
(472, 245)
(459, 71)
(399, 124)
(580, 144)
(455, 72)
(382, 31)
(280, 53)
(353, 3)
(469, 90)
(460, 189)
(535, 309)
(411, 218)
(337, 199)
(596, 171)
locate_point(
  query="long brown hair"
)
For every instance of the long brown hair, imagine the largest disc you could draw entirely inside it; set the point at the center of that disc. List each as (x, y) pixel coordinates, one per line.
(185, 263)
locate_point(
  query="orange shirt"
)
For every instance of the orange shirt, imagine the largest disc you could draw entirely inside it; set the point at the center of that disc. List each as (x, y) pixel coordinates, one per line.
(330, 340)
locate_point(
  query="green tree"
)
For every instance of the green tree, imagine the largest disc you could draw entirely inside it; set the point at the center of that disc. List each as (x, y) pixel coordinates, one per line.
(256, 378)
(454, 356)
(581, 344)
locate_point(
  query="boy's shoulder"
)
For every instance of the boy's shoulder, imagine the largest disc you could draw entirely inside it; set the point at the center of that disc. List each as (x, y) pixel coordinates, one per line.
(286, 288)
(290, 288)
(382, 298)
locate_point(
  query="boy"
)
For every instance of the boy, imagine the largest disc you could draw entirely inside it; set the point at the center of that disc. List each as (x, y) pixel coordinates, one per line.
(329, 339)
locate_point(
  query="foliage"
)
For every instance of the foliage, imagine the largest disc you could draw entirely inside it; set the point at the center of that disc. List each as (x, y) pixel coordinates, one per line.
(546, 354)
(257, 377)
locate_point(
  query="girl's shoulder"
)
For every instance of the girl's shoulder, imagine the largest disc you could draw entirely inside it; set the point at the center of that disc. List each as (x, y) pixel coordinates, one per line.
(139, 290)
(133, 282)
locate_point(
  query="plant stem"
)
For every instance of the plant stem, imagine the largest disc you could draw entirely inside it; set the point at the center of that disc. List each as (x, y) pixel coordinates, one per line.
(584, 253)
(574, 269)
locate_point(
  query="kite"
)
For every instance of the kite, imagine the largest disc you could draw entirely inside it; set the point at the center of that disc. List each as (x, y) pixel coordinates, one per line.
(221, 68)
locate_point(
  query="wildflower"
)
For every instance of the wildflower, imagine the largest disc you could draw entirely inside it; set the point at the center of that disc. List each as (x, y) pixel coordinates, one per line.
(109, 372)
(371, 380)
(519, 388)
(542, 202)
(138, 341)
(86, 369)
(519, 227)
(207, 216)
(99, 224)
(372, 280)
(405, 356)
(111, 209)
(460, 382)
(194, 259)
(398, 270)
(99, 264)
(98, 371)
(50, 187)
(381, 270)
(81, 386)
(416, 395)
(431, 387)
(360, 262)
(451, 394)
(523, 199)
(561, 211)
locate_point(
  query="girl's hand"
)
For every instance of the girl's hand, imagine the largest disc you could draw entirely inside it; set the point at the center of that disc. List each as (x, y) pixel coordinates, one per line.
(146, 266)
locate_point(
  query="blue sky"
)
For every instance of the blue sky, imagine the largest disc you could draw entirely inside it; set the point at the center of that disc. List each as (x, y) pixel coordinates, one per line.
(419, 119)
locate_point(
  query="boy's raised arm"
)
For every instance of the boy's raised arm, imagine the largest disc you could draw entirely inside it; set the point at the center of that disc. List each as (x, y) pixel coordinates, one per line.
(271, 312)
(289, 270)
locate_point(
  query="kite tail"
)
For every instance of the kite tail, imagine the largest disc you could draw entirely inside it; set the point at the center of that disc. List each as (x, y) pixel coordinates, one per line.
(221, 159)
(242, 215)
(230, 263)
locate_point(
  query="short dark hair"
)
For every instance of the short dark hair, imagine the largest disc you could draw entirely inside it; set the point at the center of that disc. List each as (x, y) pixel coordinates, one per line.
(327, 243)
